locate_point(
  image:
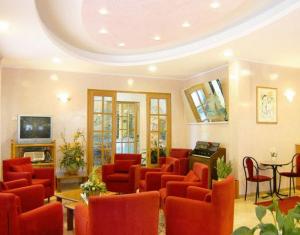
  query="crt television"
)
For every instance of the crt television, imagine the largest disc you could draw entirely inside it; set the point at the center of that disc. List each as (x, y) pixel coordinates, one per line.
(34, 129)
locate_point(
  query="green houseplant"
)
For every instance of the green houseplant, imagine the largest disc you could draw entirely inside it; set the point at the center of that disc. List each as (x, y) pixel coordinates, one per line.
(282, 224)
(73, 153)
(223, 169)
(93, 186)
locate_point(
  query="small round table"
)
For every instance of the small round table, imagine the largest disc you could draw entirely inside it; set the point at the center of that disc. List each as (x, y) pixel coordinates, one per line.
(274, 164)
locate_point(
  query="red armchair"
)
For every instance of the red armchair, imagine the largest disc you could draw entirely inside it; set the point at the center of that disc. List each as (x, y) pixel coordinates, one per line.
(203, 212)
(123, 175)
(132, 214)
(19, 168)
(182, 155)
(176, 185)
(150, 178)
(46, 220)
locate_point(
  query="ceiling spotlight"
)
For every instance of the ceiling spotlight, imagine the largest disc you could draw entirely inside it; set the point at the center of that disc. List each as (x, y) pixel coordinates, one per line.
(245, 72)
(152, 68)
(4, 26)
(103, 11)
(56, 60)
(289, 94)
(186, 24)
(274, 76)
(215, 4)
(228, 53)
(156, 38)
(54, 77)
(130, 82)
(103, 31)
(63, 97)
(121, 44)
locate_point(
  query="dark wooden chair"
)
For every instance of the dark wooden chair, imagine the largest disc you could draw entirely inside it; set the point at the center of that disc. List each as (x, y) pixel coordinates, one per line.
(251, 170)
(293, 173)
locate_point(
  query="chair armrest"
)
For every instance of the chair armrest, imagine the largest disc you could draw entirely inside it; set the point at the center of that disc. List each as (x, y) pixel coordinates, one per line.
(153, 180)
(19, 175)
(162, 160)
(144, 170)
(31, 196)
(81, 219)
(47, 219)
(166, 178)
(179, 189)
(197, 193)
(107, 169)
(134, 176)
(15, 184)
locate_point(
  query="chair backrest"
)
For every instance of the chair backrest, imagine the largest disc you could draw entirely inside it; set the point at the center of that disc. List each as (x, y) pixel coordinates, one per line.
(174, 162)
(250, 165)
(129, 156)
(132, 214)
(180, 153)
(7, 164)
(201, 171)
(8, 214)
(296, 160)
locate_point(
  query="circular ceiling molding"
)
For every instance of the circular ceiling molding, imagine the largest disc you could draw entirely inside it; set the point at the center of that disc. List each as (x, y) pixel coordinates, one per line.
(149, 31)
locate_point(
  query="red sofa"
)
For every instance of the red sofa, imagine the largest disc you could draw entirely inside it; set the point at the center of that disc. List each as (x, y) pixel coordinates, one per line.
(203, 212)
(150, 178)
(21, 168)
(132, 214)
(17, 217)
(176, 185)
(183, 157)
(123, 175)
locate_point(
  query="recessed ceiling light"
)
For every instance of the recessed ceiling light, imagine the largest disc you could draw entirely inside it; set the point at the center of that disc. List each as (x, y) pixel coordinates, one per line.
(130, 82)
(54, 77)
(156, 38)
(245, 72)
(56, 60)
(228, 53)
(103, 31)
(121, 44)
(4, 26)
(152, 68)
(103, 11)
(274, 76)
(215, 4)
(186, 24)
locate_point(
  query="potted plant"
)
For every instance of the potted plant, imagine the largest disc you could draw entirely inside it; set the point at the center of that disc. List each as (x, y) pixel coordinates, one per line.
(73, 153)
(223, 169)
(282, 224)
(93, 186)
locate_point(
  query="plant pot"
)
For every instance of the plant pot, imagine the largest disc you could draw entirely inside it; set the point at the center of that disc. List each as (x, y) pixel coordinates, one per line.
(94, 193)
(71, 170)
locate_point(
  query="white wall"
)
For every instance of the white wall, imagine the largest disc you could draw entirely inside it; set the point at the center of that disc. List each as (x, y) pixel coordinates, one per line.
(0, 118)
(27, 91)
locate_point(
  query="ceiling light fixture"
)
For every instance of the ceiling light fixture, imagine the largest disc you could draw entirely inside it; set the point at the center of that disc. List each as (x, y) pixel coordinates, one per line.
(56, 60)
(121, 44)
(289, 94)
(245, 72)
(54, 77)
(4, 26)
(274, 76)
(228, 53)
(215, 4)
(156, 38)
(103, 11)
(103, 31)
(63, 97)
(186, 24)
(152, 68)
(130, 82)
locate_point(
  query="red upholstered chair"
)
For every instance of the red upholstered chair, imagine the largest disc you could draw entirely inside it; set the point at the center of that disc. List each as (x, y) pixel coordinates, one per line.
(293, 173)
(123, 175)
(150, 178)
(182, 155)
(44, 220)
(176, 185)
(203, 212)
(251, 170)
(132, 214)
(19, 168)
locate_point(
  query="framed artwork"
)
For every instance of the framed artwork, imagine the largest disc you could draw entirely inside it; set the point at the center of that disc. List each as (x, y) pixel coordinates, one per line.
(266, 105)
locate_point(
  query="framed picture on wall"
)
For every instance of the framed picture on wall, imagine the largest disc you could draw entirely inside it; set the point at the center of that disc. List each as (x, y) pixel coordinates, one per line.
(266, 105)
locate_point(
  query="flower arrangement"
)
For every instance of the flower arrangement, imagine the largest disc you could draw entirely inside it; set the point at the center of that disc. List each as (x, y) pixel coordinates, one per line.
(223, 169)
(93, 186)
(73, 152)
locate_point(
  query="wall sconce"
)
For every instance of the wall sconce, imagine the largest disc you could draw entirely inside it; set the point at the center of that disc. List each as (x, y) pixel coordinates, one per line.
(63, 97)
(290, 94)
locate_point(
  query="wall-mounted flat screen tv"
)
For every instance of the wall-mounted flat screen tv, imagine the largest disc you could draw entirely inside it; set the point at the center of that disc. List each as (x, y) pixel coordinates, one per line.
(34, 129)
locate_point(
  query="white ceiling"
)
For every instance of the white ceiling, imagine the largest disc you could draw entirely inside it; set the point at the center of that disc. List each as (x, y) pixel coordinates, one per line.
(257, 30)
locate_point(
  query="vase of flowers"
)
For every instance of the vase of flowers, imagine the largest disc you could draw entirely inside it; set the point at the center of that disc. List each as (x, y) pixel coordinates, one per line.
(73, 153)
(93, 186)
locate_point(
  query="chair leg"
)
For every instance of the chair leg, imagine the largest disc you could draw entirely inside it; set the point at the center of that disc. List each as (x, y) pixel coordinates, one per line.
(294, 185)
(271, 191)
(257, 192)
(290, 186)
(246, 190)
(279, 184)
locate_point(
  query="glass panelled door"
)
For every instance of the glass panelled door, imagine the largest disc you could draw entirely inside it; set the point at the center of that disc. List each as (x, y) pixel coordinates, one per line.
(159, 127)
(127, 127)
(101, 127)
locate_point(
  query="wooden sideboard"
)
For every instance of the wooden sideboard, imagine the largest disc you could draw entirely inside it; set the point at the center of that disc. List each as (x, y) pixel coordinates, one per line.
(211, 162)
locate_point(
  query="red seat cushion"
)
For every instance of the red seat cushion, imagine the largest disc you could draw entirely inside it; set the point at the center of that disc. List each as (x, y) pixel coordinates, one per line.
(45, 182)
(142, 185)
(167, 168)
(191, 177)
(289, 174)
(22, 168)
(260, 178)
(118, 177)
(123, 165)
